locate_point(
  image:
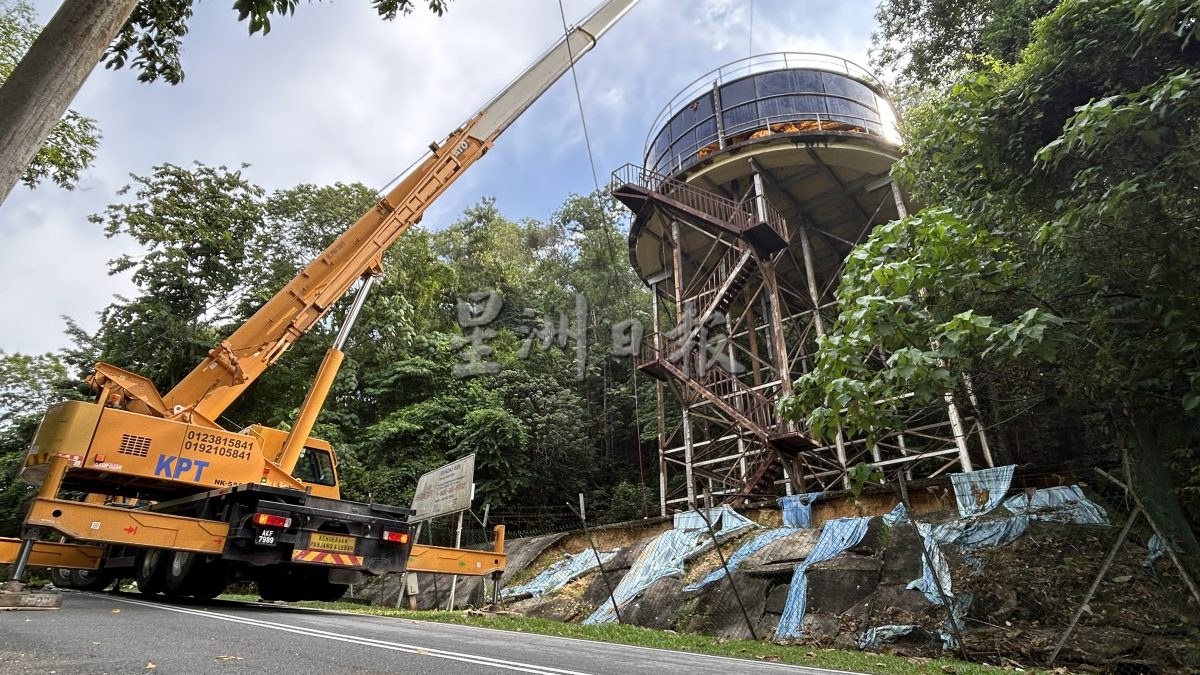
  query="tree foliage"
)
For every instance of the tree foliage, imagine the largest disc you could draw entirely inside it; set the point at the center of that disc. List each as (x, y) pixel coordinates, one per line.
(152, 39)
(71, 146)
(213, 247)
(1059, 259)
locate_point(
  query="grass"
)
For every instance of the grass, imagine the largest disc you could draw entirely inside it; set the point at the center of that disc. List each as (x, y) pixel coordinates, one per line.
(684, 642)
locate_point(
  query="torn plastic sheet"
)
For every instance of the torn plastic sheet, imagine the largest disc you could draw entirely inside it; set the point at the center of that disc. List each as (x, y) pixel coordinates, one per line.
(978, 492)
(559, 574)
(898, 515)
(872, 638)
(1062, 504)
(665, 554)
(927, 583)
(748, 549)
(837, 536)
(1156, 550)
(797, 509)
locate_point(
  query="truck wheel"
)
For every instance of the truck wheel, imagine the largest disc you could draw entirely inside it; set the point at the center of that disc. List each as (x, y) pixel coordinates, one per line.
(197, 575)
(182, 573)
(327, 592)
(278, 585)
(92, 580)
(152, 572)
(62, 577)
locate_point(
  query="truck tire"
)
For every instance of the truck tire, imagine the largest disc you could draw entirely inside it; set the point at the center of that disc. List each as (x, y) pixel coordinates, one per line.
(278, 585)
(180, 573)
(92, 580)
(213, 582)
(196, 575)
(62, 577)
(152, 569)
(325, 591)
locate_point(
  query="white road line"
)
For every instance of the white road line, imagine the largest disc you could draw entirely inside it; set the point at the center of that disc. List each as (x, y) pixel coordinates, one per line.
(368, 642)
(734, 659)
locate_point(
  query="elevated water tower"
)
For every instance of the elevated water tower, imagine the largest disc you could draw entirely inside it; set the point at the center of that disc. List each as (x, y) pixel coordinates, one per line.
(758, 178)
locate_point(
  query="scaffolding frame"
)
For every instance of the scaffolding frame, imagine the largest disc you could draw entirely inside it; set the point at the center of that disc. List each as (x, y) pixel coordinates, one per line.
(737, 267)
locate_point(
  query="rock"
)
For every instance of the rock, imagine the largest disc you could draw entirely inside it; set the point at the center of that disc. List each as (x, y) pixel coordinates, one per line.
(780, 557)
(838, 584)
(658, 606)
(819, 626)
(903, 556)
(522, 552)
(717, 612)
(598, 592)
(875, 540)
(891, 604)
(625, 558)
(555, 608)
(777, 598)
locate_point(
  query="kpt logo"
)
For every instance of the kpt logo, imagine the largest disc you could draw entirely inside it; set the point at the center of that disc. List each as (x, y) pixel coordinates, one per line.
(182, 464)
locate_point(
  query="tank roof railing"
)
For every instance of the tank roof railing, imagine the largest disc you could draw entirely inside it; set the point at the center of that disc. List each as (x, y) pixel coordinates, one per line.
(760, 63)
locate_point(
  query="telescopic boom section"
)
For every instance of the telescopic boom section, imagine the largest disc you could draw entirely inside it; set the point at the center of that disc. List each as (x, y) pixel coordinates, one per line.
(236, 362)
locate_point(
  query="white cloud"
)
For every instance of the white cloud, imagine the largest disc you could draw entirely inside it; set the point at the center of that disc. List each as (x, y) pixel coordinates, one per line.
(333, 93)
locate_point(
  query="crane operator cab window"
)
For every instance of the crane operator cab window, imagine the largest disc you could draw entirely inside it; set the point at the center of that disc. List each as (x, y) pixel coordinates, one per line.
(315, 466)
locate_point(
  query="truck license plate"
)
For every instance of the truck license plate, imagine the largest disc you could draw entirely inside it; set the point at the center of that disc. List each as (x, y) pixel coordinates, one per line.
(331, 542)
(265, 538)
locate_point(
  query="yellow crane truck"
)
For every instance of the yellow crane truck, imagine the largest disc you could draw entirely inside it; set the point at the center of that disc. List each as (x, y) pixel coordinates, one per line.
(184, 505)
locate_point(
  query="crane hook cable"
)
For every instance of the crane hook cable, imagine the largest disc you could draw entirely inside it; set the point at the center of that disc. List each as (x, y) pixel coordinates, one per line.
(578, 98)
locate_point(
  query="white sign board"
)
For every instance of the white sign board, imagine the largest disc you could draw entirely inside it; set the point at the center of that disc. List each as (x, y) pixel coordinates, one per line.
(445, 490)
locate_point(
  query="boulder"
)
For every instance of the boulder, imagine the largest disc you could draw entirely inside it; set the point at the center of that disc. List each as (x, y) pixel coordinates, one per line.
(779, 558)
(658, 606)
(821, 627)
(597, 591)
(552, 607)
(522, 552)
(903, 556)
(718, 613)
(875, 540)
(838, 584)
(625, 558)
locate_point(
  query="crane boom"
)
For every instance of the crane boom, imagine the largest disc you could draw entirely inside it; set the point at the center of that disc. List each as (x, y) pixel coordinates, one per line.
(237, 361)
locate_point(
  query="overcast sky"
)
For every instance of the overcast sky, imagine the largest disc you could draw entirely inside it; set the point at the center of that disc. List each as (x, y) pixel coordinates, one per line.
(336, 94)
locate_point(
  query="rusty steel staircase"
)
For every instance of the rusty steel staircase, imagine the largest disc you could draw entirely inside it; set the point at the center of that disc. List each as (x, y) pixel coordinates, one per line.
(751, 231)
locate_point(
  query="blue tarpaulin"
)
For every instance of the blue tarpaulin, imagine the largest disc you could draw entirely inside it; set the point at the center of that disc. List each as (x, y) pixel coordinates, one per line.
(978, 492)
(898, 515)
(665, 554)
(797, 509)
(872, 638)
(1062, 504)
(837, 536)
(927, 583)
(748, 549)
(559, 574)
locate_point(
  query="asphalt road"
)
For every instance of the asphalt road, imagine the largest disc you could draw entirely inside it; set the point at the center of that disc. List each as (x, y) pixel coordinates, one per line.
(118, 634)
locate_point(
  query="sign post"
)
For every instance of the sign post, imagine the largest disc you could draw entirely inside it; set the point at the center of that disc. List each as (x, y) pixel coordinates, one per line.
(443, 491)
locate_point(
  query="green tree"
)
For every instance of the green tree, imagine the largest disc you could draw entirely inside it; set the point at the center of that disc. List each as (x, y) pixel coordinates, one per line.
(924, 45)
(195, 226)
(1060, 261)
(28, 384)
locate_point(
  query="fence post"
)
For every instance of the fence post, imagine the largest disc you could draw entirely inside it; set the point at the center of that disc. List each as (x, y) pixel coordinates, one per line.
(951, 620)
(1108, 560)
(599, 562)
(725, 564)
